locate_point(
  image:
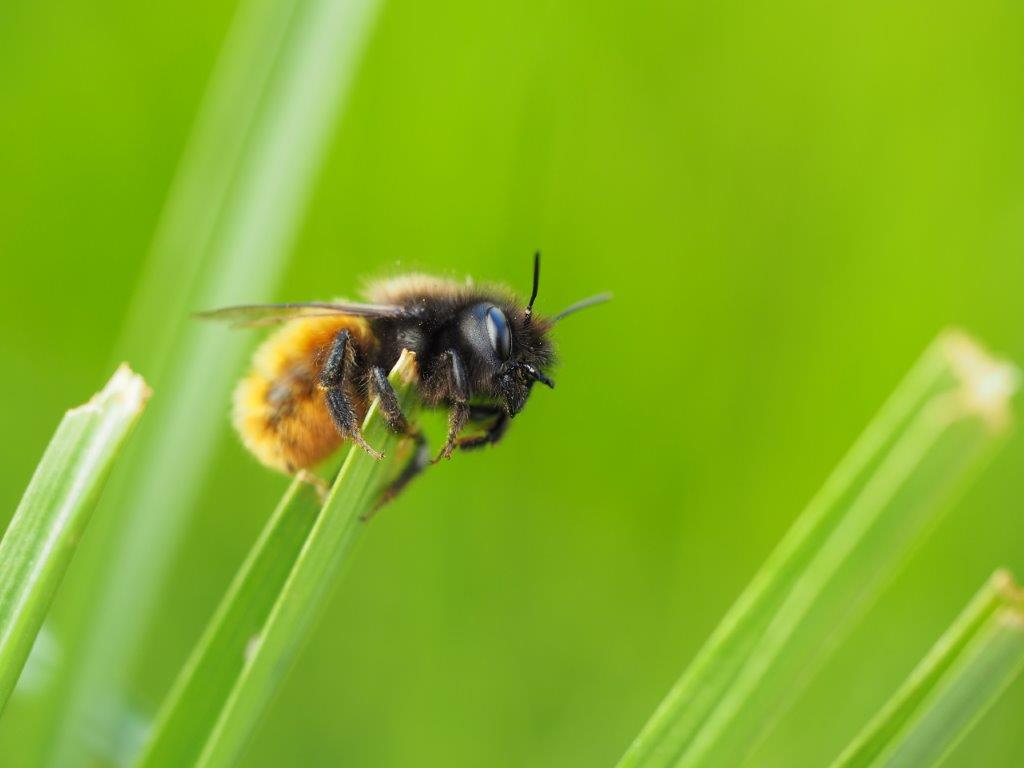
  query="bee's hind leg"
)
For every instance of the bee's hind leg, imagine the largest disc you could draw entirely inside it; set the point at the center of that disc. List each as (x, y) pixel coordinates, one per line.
(318, 483)
(419, 461)
(392, 410)
(333, 380)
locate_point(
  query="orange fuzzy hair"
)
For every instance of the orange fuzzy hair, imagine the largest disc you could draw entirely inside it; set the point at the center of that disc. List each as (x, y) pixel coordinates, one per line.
(279, 409)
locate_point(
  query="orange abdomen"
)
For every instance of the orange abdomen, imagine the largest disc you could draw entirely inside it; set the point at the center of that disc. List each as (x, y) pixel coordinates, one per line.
(279, 408)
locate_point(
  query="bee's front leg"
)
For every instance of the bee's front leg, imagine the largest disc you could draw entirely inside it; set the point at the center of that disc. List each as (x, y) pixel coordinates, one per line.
(458, 401)
(493, 433)
(419, 461)
(334, 380)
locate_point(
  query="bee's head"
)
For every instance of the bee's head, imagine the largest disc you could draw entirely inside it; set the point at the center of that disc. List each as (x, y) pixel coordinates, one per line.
(511, 350)
(511, 345)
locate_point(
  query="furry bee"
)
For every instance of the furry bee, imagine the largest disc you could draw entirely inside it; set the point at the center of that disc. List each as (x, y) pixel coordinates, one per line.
(479, 351)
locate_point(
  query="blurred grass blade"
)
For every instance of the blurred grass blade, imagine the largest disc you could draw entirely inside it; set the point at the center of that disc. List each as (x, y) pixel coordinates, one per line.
(929, 436)
(231, 217)
(51, 518)
(977, 657)
(268, 609)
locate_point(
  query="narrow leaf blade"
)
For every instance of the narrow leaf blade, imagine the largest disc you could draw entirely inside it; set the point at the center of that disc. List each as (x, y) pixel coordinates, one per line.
(53, 514)
(943, 419)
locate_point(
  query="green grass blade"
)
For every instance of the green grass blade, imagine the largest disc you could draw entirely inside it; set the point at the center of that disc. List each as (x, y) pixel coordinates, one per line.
(976, 658)
(232, 214)
(53, 513)
(267, 611)
(944, 417)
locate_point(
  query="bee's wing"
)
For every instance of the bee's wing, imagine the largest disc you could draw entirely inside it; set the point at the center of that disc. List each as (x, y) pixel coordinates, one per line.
(256, 315)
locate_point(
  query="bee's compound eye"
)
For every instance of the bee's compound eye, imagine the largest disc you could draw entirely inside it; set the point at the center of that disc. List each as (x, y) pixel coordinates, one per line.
(498, 332)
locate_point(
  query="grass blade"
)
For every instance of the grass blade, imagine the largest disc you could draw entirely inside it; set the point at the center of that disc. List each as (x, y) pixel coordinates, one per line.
(53, 513)
(268, 609)
(976, 658)
(224, 236)
(928, 437)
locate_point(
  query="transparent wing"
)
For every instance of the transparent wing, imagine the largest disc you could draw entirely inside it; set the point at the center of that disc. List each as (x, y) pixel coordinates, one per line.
(256, 315)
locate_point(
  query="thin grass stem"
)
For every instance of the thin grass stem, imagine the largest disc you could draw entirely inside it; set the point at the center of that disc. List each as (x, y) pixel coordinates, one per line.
(956, 682)
(930, 436)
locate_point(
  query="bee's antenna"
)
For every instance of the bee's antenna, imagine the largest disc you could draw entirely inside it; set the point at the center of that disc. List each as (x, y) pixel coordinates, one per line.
(536, 284)
(600, 298)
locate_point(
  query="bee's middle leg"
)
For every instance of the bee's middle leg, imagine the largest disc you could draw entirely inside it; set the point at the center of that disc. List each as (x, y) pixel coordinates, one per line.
(458, 401)
(389, 405)
(419, 461)
(334, 380)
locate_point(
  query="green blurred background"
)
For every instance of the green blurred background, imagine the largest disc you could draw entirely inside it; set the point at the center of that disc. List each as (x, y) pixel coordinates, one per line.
(789, 201)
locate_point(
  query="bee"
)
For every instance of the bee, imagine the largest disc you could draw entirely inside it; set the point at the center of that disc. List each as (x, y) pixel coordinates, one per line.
(478, 350)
